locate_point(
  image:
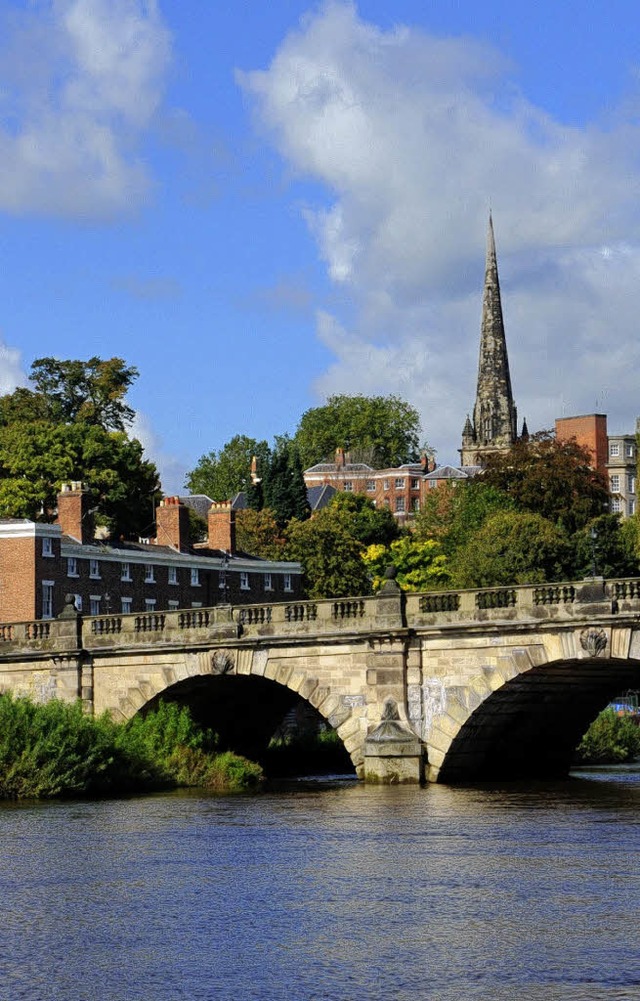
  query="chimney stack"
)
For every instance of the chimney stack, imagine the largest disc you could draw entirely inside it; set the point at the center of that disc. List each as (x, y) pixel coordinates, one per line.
(75, 516)
(172, 524)
(222, 527)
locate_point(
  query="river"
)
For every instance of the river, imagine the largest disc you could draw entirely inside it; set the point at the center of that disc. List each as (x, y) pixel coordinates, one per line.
(346, 893)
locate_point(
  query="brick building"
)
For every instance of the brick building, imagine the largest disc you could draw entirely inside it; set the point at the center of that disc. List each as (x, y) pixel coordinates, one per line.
(41, 563)
(616, 456)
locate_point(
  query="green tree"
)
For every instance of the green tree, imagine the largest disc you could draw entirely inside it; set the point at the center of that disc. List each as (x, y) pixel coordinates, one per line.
(610, 739)
(550, 478)
(384, 428)
(257, 533)
(221, 475)
(367, 523)
(451, 514)
(421, 566)
(88, 392)
(283, 484)
(607, 543)
(512, 547)
(330, 556)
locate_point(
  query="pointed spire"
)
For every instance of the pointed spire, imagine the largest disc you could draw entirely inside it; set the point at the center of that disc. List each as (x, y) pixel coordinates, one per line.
(525, 431)
(494, 413)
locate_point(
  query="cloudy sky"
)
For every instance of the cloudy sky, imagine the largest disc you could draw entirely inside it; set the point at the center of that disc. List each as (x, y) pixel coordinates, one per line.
(261, 204)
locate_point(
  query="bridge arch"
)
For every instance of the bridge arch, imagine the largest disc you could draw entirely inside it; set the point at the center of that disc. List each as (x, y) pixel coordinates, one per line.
(522, 720)
(222, 682)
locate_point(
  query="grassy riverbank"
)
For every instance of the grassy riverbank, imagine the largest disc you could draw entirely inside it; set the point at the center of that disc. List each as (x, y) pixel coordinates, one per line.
(55, 750)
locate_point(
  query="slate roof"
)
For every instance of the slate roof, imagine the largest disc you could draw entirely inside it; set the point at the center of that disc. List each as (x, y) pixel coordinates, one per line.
(334, 467)
(319, 497)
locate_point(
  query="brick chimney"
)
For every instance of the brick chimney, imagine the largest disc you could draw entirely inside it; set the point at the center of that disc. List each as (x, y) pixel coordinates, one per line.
(340, 458)
(172, 524)
(75, 515)
(222, 526)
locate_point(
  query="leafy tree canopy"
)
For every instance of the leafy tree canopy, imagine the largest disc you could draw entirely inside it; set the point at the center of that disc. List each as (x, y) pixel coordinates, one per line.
(512, 547)
(452, 514)
(550, 478)
(330, 555)
(257, 533)
(421, 566)
(283, 486)
(221, 475)
(368, 524)
(609, 545)
(383, 429)
(64, 392)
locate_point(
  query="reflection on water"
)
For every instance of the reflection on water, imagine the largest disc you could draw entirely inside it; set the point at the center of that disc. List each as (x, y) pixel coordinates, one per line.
(517, 892)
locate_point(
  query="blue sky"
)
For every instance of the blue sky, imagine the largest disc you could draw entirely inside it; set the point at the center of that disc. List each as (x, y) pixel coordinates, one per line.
(261, 204)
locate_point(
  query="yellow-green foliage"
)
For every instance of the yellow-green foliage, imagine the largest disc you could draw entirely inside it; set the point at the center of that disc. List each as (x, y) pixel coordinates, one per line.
(421, 566)
(609, 740)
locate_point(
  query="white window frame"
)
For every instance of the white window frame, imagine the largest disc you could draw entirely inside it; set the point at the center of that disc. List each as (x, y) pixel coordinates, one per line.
(371, 486)
(385, 484)
(615, 483)
(268, 582)
(244, 581)
(400, 505)
(195, 577)
(125, 570)
(94, 604)
(126, 605)
(614, 448)
(616, 505)
(72, 567)
(287, 582)
(348, 486)
(631, 506)
(631, 483)
(173, 604)
(47, 546)
(47, 599)
(149, 573)
(149, 604)
(630, 450)
(94, 569)
(399, 483)
(196, 604)
(77, 600)
(415, 484)
(172, 575)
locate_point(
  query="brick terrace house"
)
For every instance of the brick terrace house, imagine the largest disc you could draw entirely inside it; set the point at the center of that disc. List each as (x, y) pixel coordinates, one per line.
(41, 563)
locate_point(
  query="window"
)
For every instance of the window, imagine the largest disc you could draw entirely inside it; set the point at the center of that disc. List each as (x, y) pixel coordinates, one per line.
(630, 450)
(94, 569)
(631, 484)
(125, 571)
(631, 507)
(268, 582)
(149, 576)
(149, 604)
(399, 483)
(77, 599)
(47, 547)
(195, 577)
(415, 484)
(126, 605)
(399, 504)
(415, 503)
(173, 604)
(614, 448)
(371, 486)
(348, 486)
(385, 484)
(244, 581)
(196, 604)
(173, 575)
(94, 604)
(47, 599)
(72, 566)
(615, 484)
(386, 502)
(287, 582)
(616, 505)
(433, 484)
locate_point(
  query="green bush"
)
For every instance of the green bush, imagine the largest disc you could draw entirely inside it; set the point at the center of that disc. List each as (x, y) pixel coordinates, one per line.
(56, 750)
(610, 739)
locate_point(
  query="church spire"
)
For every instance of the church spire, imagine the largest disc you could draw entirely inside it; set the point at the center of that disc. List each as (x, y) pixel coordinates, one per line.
(494, 413)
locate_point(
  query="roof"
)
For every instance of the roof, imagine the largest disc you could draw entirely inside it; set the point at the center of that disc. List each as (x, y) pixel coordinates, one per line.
(453, 473)
(334, 467)
(199, 503)
(319, 497)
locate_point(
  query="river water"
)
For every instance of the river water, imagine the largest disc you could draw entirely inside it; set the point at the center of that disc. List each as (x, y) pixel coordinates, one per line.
(514, 893)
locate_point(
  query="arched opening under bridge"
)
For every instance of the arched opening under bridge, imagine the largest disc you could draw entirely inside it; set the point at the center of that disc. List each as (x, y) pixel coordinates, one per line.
(531, 726)
(262, 720)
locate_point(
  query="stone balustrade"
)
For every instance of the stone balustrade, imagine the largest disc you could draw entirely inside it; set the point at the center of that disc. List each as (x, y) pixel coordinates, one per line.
(527, 602)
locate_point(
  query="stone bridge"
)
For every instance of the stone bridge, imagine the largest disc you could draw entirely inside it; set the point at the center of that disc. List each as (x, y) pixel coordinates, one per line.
(452, 686)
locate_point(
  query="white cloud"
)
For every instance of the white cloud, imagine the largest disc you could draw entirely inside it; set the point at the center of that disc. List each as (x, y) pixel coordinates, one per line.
(412, 136)
(172, 469)
(80, 81)
(12, 374)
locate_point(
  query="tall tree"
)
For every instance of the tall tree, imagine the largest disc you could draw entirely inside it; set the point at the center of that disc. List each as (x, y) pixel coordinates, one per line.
(369, 524)
(221, 475)
(92, 392)
(283, 485)
(385, 427)
(257, 533)
(331, 557)
(451, 514)
(552, 478)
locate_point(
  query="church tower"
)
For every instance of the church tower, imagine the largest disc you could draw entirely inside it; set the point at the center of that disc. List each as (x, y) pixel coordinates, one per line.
(493, 427)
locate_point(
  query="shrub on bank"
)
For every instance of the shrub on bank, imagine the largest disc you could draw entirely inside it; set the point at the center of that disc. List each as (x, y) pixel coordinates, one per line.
(611, 739)
(55, 750)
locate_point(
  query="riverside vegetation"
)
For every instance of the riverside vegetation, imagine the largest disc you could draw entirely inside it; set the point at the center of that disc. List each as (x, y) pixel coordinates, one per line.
(56, 750)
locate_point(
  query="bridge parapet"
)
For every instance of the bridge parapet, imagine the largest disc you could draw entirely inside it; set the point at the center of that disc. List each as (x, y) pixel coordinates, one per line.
(46, 636)
(300, 617)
